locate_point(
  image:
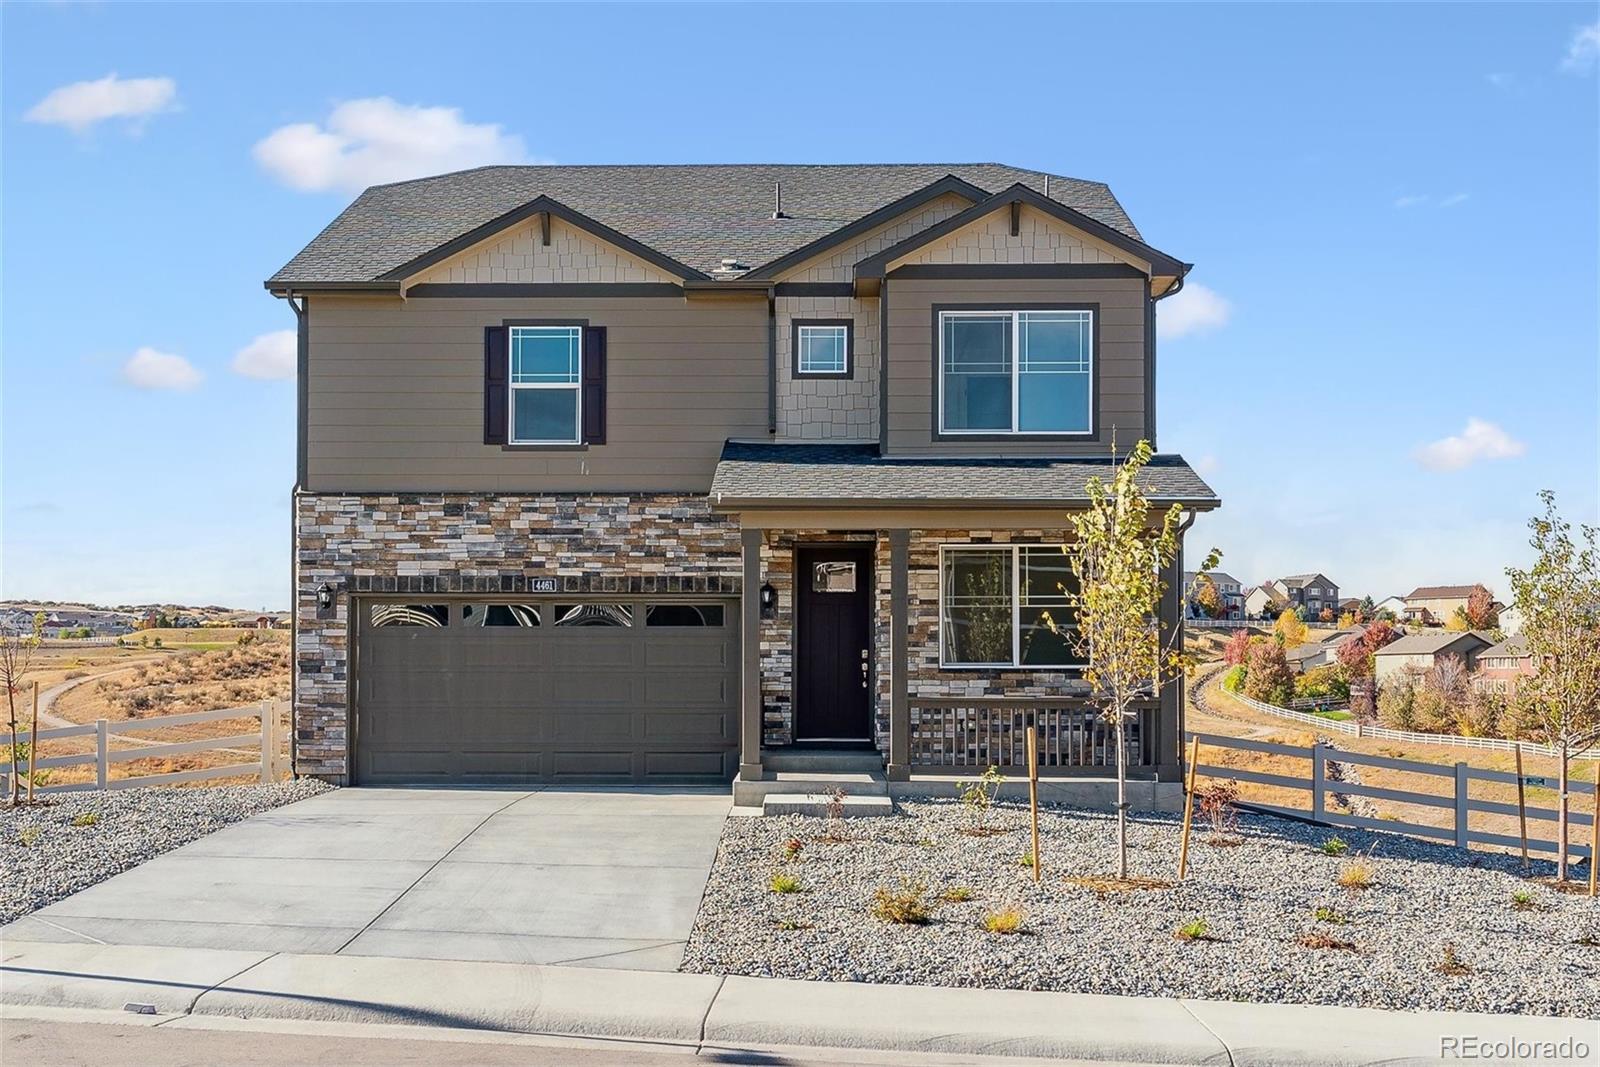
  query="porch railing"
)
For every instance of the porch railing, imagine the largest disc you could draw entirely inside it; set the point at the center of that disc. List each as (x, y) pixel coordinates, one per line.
(992, 731)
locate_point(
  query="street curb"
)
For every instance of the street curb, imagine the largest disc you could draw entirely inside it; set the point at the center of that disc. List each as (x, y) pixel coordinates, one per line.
(708, 1011)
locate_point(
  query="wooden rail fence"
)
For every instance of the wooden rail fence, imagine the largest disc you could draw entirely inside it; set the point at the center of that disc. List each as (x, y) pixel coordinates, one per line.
(267, 739)
(1457, 799)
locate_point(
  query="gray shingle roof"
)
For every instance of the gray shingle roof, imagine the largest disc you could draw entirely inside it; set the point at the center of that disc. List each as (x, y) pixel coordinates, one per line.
(696, 214)
(855, 474)
(1439, 592)
(1430, 642)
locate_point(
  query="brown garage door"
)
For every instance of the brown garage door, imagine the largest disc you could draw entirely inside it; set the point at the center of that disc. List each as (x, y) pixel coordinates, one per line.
(546, 690)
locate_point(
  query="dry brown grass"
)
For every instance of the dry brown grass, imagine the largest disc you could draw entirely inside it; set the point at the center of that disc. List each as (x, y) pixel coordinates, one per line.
(1319, 939)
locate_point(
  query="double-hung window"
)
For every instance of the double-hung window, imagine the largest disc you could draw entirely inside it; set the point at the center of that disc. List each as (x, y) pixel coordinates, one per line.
(997, 603)
(546, 384)
(1016, 372)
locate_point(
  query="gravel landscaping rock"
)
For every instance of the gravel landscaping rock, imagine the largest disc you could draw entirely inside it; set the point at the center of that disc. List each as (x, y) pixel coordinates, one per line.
(1257, 898)
(70, 841)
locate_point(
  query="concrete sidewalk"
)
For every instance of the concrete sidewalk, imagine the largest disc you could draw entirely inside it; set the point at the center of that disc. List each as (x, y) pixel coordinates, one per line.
(704, 1011)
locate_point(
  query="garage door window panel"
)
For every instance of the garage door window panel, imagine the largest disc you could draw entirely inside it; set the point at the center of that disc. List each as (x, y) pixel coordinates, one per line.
(593, 614)
(425, 615)
(491, 615)
(689, 615)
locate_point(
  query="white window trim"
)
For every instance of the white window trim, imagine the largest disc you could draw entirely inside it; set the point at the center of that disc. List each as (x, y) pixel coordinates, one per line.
(1016, 613)
(801, 330)
(1016, 372)
(512, 386)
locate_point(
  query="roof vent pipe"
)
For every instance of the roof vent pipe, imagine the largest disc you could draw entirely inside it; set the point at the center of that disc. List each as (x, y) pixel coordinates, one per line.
(777, 201)
(1047, 187)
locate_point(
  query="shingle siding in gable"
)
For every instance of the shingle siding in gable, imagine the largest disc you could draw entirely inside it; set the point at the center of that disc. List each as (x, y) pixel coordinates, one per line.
(572, 256)
(1039, 240)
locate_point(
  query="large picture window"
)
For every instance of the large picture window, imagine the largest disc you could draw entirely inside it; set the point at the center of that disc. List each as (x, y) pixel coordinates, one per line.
(1016, 372)
(546, 384)
(996, 603)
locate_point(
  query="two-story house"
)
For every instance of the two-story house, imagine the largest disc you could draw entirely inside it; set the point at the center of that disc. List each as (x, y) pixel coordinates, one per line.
(1229, 592)
(649, 473)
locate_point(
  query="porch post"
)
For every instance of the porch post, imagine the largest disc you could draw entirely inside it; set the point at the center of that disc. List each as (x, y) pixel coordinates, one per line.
(1166, 749)
(899, 768)
(750, 656)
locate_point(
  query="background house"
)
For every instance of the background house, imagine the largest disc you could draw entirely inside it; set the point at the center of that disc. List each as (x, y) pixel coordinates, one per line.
(1432, 605)
(1228, 587)
(1394, 605)
(1416, 653)
(1501, 666)
(1313, 592)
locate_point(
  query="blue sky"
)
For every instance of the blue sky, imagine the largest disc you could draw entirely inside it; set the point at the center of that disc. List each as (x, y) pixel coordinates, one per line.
(1389, 346)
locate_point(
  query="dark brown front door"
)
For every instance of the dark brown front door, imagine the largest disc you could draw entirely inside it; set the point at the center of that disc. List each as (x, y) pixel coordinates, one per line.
(833, 646)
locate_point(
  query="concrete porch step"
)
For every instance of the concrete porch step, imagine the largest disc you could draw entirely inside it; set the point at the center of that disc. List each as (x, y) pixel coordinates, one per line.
(816, 804)
(821, 759)
(852, 783)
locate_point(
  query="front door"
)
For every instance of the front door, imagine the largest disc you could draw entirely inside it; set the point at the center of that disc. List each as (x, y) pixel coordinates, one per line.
(833, 646)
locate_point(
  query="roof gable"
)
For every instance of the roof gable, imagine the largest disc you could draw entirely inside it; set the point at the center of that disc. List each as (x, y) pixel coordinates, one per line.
(546, 250)
(692, 215)
(1132, 249)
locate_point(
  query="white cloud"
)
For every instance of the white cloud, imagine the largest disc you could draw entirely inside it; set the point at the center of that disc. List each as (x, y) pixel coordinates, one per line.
(1455, 198)
(1583, 50)
(1194, 309)
(150, 369)
(1479, 440)
(376, 140)
(270, 357)
(1410, 201)
(82, 104)
(1501, 79)
(1207, 464)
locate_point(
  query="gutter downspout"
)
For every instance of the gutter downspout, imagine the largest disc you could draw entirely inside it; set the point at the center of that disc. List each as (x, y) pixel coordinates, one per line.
(302, 358)
(772, 358)
(1150, 353)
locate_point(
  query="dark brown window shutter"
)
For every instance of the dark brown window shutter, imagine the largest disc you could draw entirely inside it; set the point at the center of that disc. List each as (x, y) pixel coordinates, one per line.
(594, 385)
(496, 375)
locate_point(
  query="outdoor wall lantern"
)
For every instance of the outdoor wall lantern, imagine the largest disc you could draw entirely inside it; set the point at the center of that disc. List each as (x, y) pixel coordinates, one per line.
(769, 601)
(325, 597)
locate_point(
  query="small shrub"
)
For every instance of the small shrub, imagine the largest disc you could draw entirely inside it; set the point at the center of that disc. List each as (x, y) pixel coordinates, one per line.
(792, 847)
(1356, 874)
(957, 894)
(1026, 860)
(1233, 680)
(835, 814)
(791, 924)
(1450, 962)
(1334, 846)
(784, 882)
(1326, 913)
(29, 836)
(1217, 802)
(87, 818)
(1004, 921)
(906, 906)
(978, 795)
(1319, 939)
(1524, 900)
(1194, 930)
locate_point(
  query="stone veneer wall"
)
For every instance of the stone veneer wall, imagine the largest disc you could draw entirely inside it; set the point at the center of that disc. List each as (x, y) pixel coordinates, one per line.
(480, 543)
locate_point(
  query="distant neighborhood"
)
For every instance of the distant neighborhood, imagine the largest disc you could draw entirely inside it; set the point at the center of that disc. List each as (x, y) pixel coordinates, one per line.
(62, 621)
(1456, 645)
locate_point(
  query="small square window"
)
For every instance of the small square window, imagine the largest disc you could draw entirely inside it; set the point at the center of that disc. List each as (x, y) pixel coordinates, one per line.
(837, 577)
(822, 349)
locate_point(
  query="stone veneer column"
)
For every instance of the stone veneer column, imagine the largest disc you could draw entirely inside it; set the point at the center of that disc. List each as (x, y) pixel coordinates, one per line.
(899, 768)
(750, 711)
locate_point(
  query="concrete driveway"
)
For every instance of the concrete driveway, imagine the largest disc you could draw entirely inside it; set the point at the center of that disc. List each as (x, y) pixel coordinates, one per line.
(597, 877)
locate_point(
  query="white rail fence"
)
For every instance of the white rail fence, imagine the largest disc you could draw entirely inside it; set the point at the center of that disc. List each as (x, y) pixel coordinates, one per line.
(1355, 728)
(1457, 800)
(266, 739)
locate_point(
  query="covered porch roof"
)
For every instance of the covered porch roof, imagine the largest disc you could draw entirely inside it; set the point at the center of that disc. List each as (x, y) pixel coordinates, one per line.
(758, 476)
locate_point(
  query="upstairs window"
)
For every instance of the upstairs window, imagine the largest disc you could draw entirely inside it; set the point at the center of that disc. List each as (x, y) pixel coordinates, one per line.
(546, 384)
(822, 349)
(1016, 372)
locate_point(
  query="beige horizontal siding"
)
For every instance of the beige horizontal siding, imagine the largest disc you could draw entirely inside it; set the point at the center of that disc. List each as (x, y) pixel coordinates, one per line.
(1120, 386)
(395, 394)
